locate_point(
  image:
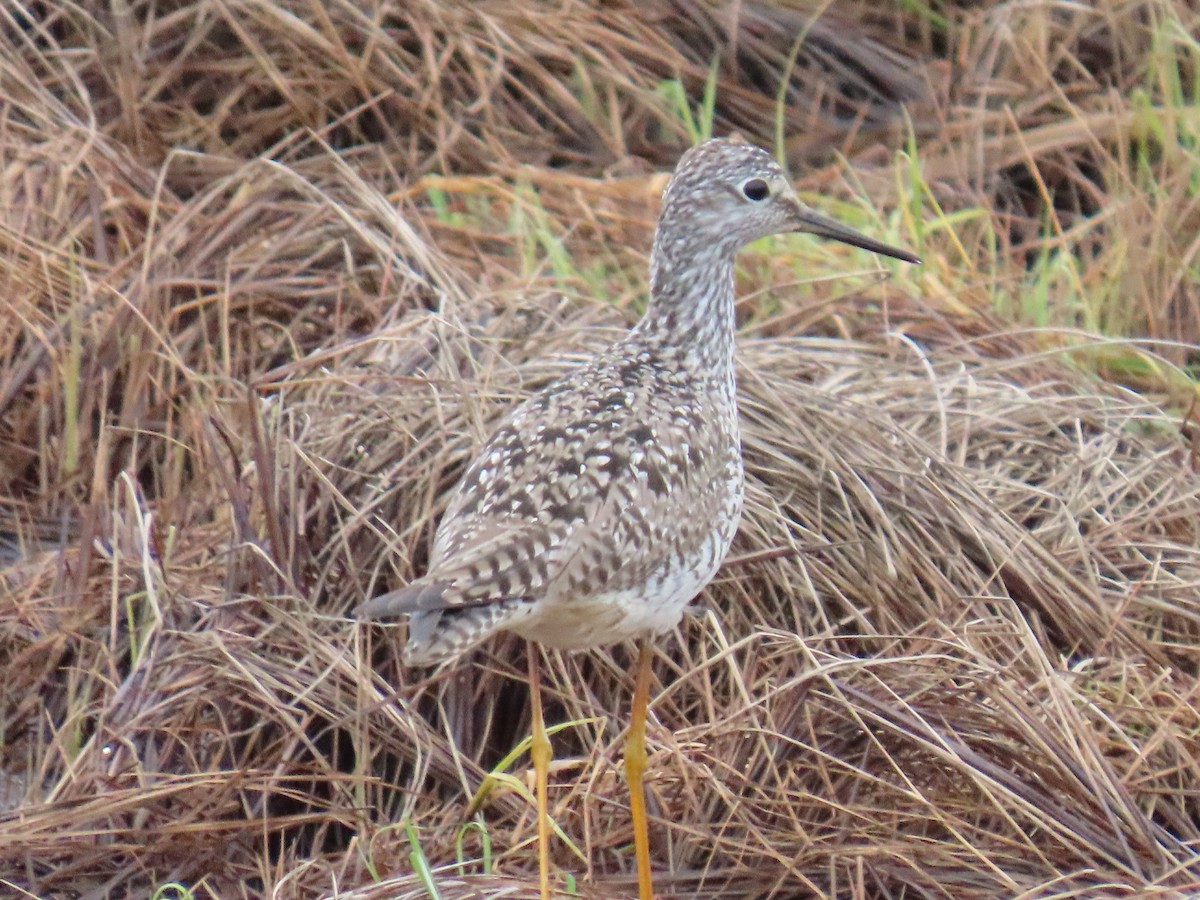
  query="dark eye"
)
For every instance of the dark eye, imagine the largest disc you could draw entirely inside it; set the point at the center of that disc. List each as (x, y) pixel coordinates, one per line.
(756, 189)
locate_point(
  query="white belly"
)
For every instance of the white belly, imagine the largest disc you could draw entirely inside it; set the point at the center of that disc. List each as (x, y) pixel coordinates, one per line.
(609, 618)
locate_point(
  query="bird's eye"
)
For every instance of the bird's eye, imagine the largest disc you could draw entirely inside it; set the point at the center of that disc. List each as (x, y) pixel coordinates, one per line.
(756, 189)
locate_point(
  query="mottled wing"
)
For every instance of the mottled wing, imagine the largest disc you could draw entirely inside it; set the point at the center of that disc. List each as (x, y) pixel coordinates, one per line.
(617, 480)
(523, 503)
(592, 485)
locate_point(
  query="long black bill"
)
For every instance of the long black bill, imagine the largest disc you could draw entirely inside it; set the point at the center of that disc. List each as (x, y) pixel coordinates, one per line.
(812, 222)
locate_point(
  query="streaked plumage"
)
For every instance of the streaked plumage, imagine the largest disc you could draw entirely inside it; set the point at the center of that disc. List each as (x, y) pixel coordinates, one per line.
(606, 502)
(603, 504)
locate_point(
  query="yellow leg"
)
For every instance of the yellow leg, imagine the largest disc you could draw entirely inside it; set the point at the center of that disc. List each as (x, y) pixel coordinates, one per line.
(635, 767)
(541, 753)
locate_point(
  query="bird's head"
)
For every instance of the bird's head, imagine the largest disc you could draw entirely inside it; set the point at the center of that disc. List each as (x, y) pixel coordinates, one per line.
(728, 193)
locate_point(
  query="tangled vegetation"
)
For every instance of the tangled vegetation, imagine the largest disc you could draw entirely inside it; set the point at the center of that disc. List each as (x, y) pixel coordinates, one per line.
(271, 271)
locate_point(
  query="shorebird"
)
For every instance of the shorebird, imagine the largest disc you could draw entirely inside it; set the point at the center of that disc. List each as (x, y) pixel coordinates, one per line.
(603, 504)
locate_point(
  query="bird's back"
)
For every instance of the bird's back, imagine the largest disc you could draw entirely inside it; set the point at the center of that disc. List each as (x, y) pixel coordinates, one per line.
(594, 513)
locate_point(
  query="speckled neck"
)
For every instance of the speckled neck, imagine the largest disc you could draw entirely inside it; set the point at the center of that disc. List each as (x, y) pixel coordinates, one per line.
(691, 302)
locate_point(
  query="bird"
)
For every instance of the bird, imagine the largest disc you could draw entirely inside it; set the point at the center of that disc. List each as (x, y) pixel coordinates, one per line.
(604, 503)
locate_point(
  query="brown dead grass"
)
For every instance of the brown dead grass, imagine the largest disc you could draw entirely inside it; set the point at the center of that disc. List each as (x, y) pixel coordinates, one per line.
(954, 652)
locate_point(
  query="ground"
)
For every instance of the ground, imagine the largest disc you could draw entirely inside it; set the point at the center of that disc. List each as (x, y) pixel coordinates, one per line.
(272, 271)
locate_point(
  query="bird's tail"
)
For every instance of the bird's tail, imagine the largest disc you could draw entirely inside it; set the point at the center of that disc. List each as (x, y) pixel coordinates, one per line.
(439, 631)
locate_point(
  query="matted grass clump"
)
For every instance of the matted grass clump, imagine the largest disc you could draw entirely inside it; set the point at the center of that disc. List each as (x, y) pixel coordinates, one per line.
(272, 272)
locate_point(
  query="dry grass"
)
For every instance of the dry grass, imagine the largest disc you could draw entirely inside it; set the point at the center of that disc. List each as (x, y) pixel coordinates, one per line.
(272, 269)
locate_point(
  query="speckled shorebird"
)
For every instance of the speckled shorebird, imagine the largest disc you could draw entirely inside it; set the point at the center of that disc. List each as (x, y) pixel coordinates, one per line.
(603, 504)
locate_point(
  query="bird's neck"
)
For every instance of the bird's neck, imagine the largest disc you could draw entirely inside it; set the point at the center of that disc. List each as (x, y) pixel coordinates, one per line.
(691, 304)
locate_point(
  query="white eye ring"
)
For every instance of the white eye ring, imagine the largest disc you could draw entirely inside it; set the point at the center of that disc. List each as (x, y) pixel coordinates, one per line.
(755, 190)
